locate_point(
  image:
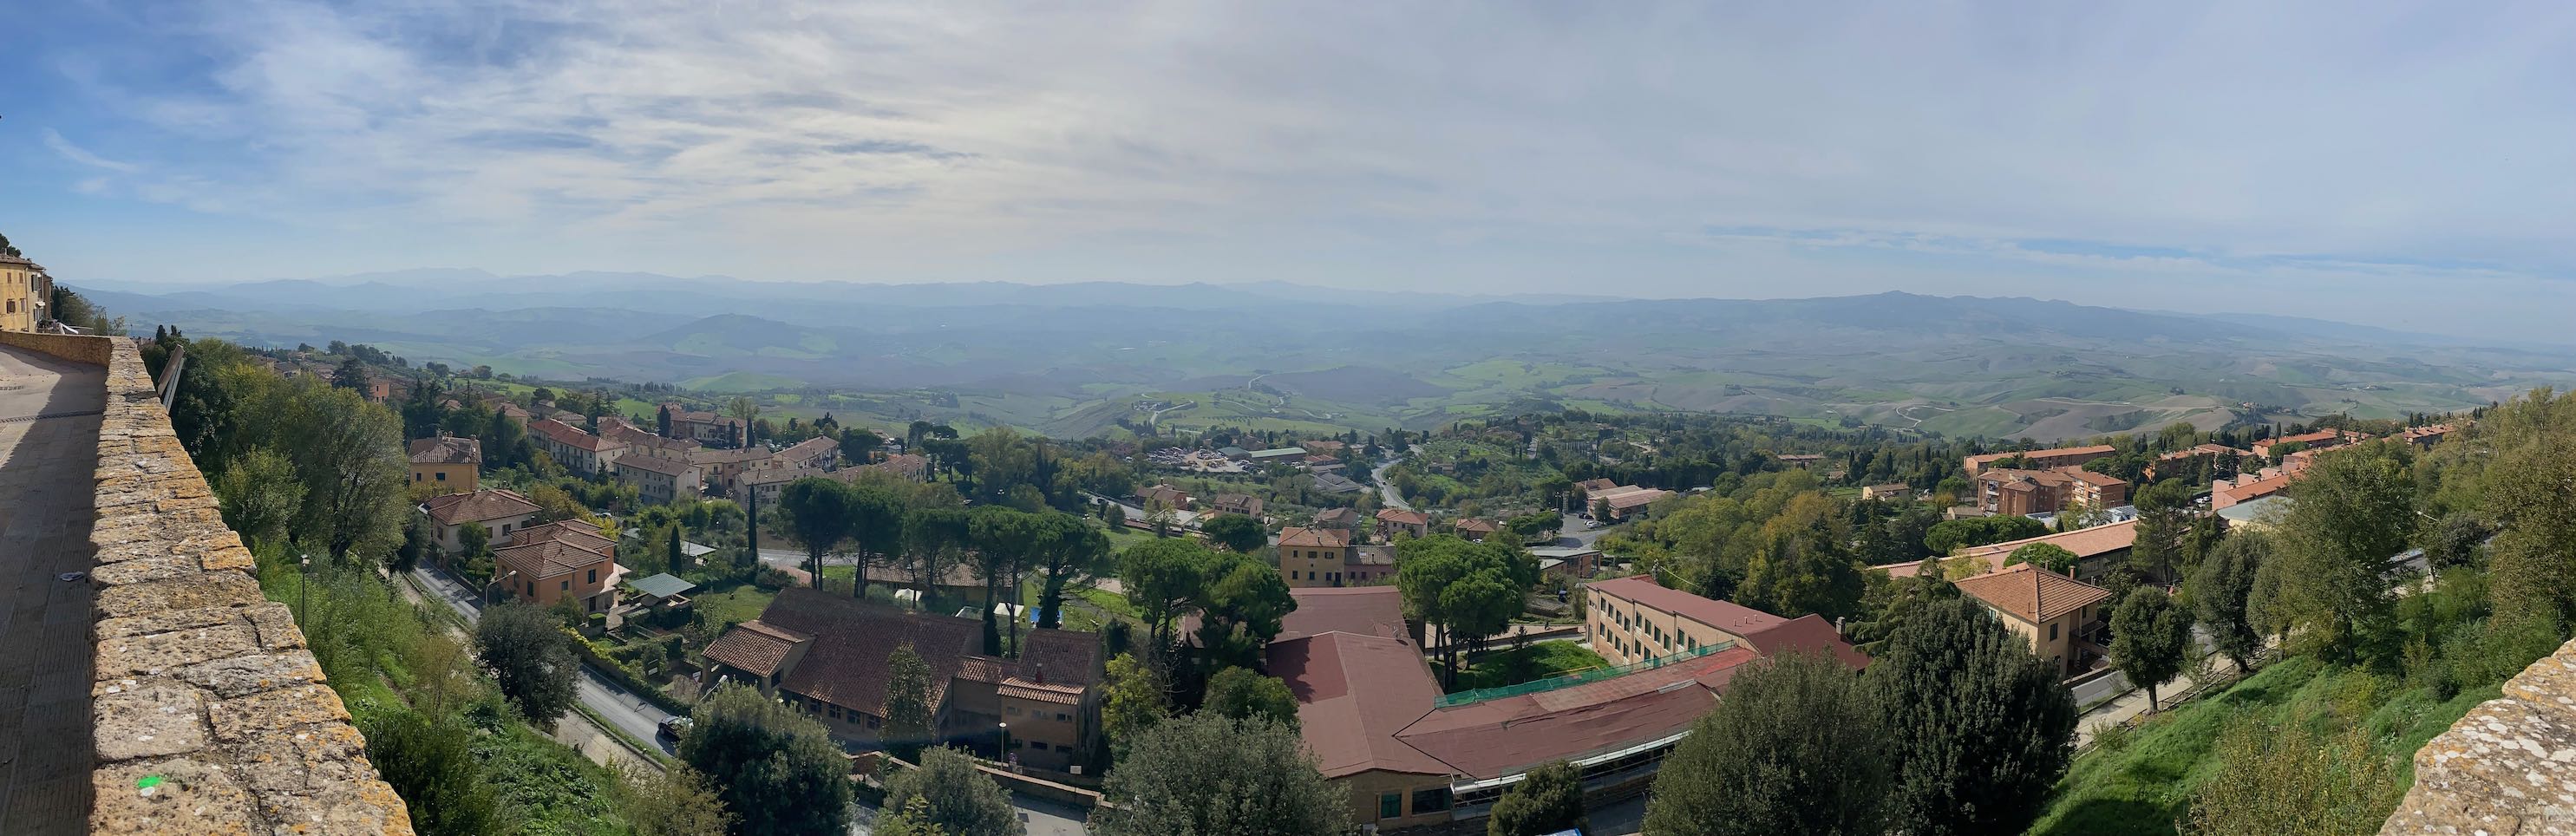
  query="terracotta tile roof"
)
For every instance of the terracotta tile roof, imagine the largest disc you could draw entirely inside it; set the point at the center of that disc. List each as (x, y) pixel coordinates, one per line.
(1354, 693)
(903, 464)
(1476, 524)
(1734, 618)
(547, 559)
(1041, 692)
(1808, 632)
(1400, 516)
(2102, 480)
(1314, 538)
(810, 449)
(1596, 485)
(571, 436)
(485, 504)
(1978, 462)
(846, 665)
(754, 647)
(1500, 737)
(1359, 610)
(2026, 592)
(1631, 497)
(655, 465)
(446, 450)
(578, 534)
(2087, 542)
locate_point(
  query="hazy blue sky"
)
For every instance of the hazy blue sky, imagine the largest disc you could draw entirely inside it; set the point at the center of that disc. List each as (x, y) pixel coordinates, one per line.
(2401, 165)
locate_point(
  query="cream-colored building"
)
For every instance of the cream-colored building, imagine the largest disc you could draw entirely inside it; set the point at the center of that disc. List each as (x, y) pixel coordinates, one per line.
(2058, 614)
(1313, 556)
(25, 290)
(1633, 619)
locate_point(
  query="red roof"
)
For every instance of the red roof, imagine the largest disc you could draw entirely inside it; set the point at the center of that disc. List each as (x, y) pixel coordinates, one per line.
(1314, 538)
(478, 506)
(2083, 542)
(574, 533)
(1354, 693)
(446, 449)
(1807, 633)
(650, 464)
(1361, 610)
(1500, 737)
(1400, 516)
(546, 559)
(846, 665)
(2032, 595)
(569, 435)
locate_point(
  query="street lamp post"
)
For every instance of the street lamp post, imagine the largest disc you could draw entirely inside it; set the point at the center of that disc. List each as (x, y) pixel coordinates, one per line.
(1006, 742)
(488, 585)
(303, 578)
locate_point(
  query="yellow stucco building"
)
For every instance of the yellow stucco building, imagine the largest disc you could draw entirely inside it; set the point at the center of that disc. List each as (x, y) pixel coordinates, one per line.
(25, 290)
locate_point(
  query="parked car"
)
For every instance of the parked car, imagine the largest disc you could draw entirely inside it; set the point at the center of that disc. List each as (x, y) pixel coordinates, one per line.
(672, 728)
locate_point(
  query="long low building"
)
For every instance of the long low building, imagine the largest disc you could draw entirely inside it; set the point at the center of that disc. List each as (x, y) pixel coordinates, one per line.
(1410, 756)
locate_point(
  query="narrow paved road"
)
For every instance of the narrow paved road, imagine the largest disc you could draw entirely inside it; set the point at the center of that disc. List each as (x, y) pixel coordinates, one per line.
(1394, 499)
(49, 422)
(620, 707)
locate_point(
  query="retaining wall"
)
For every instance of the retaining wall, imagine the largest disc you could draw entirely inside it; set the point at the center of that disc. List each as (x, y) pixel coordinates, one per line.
(210, 716)
(2509, 767)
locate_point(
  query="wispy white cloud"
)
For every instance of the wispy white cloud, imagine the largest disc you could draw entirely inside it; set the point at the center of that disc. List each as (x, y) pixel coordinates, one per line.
(75, 153)
(1423, 143)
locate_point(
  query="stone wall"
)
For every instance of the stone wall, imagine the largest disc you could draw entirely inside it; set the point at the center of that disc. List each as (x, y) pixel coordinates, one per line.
(91, 350)
(2509, 767)
(211, 717)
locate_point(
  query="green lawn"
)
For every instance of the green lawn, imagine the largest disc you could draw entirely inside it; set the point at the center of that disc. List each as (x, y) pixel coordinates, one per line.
(2146, 785)
(1497, 668)
(733, 606)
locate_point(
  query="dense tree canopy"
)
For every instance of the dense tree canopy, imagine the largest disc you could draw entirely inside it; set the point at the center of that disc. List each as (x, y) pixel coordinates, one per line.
(1798, 745)
(957, 798)
(2150, 638)
(776, 769)
(531, 657)
(1207, 773)
(1547, 800)
(1978, 728)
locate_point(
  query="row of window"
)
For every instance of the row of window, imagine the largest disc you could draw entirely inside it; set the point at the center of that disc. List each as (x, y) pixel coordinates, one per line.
(1391, 805)
(1014, 711)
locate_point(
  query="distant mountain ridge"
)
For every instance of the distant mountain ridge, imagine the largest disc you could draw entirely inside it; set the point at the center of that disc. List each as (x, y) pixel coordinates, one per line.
(1048, 355)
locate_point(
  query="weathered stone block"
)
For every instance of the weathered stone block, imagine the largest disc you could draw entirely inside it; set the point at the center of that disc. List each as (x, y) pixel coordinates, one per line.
(154, 720)
(242, 676)
(146, 570)
(144, 656)
(236, 720)
(167, 621)
(276, 626)
(179, 796)
(206, 590)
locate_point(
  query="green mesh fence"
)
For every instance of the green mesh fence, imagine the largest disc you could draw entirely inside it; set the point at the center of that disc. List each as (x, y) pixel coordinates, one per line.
(1576, 678)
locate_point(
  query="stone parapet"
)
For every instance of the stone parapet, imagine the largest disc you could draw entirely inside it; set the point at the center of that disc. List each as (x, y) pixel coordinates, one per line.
(210, 715)
(91, 350)
(2507, 768)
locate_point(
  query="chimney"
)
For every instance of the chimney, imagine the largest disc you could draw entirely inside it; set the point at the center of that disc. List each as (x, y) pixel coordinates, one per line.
(1039, 670)
(2038, 608)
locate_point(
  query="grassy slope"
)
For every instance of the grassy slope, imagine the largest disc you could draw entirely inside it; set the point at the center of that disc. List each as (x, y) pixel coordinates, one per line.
(2146, 786)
